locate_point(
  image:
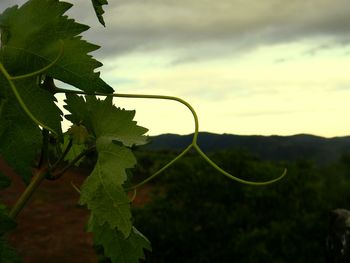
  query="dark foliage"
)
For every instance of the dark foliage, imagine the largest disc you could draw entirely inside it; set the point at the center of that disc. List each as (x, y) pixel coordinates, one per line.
(197, 215)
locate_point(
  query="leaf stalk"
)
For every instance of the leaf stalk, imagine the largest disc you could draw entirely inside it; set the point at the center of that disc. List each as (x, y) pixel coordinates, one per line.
(58, 174)
(28, 192)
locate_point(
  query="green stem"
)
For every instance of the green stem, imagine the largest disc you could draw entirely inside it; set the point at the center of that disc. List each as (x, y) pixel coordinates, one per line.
(193, 143)
(44, 155)
(161, 169)
(64, 154)
(32, 74)
(163, 97)
(144, 96)
(58, 174)
(42, 70)
(132, 199)
(21, 102)
(28, 192)
(75, 187)
(222, 171)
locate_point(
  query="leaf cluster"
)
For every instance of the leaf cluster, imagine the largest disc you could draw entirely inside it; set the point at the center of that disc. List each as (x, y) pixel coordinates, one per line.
(39, 45)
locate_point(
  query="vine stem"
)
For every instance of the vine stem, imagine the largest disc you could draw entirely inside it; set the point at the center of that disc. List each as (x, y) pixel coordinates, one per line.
(163, 97)
(64, 154)
(161, 169)
(193, 144)
(28, 192)
(10, 80)
(21, 102)
(74, 161)
(143, 96)
(42, 70)
(208, 160)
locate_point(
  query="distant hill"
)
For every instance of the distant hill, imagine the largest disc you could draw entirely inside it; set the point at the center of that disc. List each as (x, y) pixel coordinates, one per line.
(301, 146)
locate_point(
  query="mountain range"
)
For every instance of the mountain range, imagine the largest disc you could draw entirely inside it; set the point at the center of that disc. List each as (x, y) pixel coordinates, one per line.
(300, 146)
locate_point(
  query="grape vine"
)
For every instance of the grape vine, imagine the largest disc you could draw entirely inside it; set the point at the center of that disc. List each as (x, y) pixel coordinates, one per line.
(39, 44)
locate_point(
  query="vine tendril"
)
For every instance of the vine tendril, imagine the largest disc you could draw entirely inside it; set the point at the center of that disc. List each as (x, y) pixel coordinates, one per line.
(21, 102)
(10, 79)
(134, 194)
(193, 144)
(162, 169)
(34, 73)
(76, 188)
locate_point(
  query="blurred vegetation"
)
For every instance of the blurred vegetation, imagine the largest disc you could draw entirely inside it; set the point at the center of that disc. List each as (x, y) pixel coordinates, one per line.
(197, 215)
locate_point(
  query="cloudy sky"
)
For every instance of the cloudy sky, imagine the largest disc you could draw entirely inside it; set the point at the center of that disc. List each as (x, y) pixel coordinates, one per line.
(247, 66)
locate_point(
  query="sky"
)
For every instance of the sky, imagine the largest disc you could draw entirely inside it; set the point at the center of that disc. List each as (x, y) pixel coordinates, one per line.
(271, 67)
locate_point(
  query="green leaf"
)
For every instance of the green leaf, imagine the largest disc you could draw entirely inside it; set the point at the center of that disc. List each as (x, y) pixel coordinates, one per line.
(4, 181)
(7, 253)
(78, 133)
(47, 32)
(103, 192)
(20, 139)
(97, 4)
(41, 103)
(115, 123)
(79, 110)
(102, 118)
(74, 151)
(6, 223)
(118, 248)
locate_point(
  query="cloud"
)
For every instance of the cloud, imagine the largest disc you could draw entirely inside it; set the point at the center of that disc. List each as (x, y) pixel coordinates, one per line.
(212, 28)
(202, 28)
(7, 3)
